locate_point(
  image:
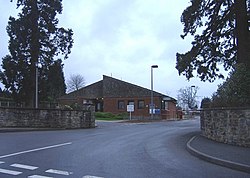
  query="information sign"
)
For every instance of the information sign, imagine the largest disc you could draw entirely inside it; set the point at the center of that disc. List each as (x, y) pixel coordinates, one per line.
(130, 108)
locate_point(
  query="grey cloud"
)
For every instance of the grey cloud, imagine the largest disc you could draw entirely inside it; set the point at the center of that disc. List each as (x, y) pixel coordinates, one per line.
(109, 19)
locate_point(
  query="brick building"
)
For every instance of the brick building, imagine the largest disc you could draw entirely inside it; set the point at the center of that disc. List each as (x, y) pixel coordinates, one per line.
(113, 95)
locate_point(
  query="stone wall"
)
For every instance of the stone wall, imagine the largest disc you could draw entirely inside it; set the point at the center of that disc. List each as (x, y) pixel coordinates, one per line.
(231, 125)
(46, 118)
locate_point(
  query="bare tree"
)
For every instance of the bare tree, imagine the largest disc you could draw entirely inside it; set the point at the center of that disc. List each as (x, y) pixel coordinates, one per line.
(75, 82)
(186, 97)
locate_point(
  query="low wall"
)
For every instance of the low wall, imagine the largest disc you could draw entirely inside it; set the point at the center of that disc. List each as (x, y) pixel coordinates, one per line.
(46, 118)
(231, 125)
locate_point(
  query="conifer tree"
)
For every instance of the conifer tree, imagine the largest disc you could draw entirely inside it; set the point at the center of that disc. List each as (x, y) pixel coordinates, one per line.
(34, 38)
(221, 36)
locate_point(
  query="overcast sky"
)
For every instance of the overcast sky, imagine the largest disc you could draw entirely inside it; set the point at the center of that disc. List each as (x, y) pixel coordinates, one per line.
(123, 38)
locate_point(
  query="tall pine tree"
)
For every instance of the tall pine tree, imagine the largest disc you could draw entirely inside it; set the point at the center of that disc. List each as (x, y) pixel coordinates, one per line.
(221, 36)
(56, 82)
(35, 38)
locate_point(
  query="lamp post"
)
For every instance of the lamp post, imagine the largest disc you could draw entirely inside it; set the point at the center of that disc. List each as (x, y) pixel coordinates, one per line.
(38, 65)
(191, 101)
(152, 97)
(192, 94)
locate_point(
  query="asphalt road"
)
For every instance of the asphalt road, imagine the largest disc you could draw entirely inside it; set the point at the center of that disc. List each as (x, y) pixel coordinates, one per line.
(112, 150)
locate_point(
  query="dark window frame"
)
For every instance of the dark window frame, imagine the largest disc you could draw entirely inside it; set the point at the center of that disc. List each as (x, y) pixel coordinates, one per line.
(121, 104)
(139, 106)
(131, 101)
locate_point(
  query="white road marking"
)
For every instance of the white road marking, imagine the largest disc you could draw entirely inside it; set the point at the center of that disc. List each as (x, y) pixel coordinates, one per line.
(24, 166)
(1, 162)
(10, 172)
(37, 149)
(91, 177)
(38, 176)
(54, 171)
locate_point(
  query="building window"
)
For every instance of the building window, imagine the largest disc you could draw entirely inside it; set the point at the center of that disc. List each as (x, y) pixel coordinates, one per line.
(121, 104)
(131, 102)
(141, 104)
(166, 107)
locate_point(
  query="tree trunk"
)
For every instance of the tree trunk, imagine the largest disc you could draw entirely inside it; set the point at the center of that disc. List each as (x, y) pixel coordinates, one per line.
(242, 31)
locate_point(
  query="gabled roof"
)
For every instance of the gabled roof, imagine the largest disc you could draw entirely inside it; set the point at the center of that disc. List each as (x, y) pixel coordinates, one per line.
(117, 88)
(111, 87)
(89, 92)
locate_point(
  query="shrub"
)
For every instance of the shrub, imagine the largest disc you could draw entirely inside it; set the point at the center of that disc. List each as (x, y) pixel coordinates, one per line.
(76, 106)
(206, 103)
(235, 91)
(108, 115)
(67, 107)
(103, 115)
(122, 116)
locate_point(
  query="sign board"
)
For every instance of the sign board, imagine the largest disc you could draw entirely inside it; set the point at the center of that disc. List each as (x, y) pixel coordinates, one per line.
(154, 111)
(157, 111)
(130, 108)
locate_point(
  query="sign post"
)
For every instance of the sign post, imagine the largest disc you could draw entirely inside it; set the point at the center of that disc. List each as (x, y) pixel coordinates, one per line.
(130, 109)
(151, 109)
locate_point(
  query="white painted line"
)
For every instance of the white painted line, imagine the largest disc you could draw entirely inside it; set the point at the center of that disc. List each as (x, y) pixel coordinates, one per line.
(1, 162)
(38, 176)
(53, 171)
(91, 177)
(10, 172)
(24, 166)
(37, 149)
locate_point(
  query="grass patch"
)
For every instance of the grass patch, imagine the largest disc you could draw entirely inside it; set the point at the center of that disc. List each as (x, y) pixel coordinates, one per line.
(106, 116)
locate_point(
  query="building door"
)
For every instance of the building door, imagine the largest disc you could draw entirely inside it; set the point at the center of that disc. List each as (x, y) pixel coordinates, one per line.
(99, 106)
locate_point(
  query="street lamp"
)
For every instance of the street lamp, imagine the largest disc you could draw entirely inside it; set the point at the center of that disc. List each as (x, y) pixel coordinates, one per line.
(152, 97)
(190, 97)
(191, 101)
(192, 93)
(38, 65)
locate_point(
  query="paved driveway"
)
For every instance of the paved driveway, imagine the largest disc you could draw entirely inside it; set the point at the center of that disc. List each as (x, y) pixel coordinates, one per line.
(112, 150)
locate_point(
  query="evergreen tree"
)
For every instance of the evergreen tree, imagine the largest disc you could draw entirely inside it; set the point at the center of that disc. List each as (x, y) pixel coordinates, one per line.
(221, 36)
(56, 81)
(206, 103)
(34, 38)
(235, 91)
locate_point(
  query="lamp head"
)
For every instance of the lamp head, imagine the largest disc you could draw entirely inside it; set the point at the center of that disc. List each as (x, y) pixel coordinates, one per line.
(154, 66)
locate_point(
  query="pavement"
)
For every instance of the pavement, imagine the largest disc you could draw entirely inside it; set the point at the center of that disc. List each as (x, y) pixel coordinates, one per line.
(233, 157)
